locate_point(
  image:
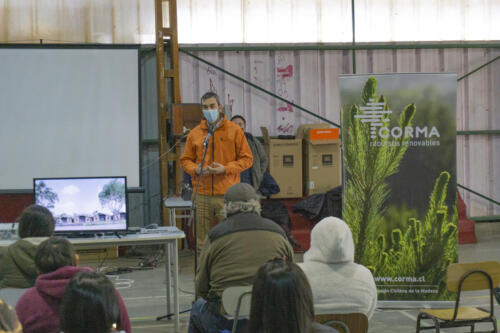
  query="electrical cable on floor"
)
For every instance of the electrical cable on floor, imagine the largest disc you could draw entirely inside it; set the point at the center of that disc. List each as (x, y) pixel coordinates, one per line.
(100, 262)
(147, 263)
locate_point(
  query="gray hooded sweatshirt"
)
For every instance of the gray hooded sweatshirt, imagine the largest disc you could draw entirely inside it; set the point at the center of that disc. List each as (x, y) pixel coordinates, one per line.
(338, 284)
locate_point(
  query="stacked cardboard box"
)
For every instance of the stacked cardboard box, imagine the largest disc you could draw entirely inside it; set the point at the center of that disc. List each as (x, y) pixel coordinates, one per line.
(321, 160)
(285, 164)
(306, 165)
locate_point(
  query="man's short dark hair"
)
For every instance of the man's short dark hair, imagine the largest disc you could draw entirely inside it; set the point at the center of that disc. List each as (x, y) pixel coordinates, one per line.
(54, 253)
(239, 117)
(210, 94)
(36, 221)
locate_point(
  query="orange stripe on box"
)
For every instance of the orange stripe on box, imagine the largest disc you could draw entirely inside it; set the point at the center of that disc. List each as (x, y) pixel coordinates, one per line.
(324, 134)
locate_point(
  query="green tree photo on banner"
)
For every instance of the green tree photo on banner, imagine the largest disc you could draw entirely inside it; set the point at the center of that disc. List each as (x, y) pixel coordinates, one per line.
(419, 250)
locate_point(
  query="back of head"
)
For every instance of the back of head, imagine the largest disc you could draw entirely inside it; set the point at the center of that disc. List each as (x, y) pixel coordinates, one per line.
(89, 305)
(281, 299)
(36, 221)
(241, 198)
(54, 253)
(331, 242)
(8, 319)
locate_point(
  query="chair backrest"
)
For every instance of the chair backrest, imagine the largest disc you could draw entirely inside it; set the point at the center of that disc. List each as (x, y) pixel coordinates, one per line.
(12, 295)
(232, 295)
(455, 272)
(236, 302)
(356, 322)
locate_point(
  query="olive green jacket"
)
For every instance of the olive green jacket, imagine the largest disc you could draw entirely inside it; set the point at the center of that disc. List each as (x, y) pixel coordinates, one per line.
(17, 263)
(235, 249)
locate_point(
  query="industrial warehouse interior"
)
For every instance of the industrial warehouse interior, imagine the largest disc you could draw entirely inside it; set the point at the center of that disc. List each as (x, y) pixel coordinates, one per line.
(249, 166)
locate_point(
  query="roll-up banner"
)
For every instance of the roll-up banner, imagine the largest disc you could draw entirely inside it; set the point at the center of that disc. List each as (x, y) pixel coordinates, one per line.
(400, 201)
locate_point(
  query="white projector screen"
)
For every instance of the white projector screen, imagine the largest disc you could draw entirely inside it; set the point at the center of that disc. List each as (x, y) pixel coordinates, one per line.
(68, 112)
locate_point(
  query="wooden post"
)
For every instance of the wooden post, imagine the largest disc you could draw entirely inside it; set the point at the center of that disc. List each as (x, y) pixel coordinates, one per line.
(164, 35)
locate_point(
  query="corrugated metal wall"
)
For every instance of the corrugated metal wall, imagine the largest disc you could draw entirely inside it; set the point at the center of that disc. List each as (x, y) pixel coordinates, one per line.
(251, 21)
(77, 21)
(309, 79)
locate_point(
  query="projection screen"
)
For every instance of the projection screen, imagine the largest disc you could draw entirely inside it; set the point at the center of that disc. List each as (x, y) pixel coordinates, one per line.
(68, 112)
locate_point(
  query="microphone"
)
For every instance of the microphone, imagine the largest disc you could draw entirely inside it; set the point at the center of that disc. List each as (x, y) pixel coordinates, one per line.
(210, 132)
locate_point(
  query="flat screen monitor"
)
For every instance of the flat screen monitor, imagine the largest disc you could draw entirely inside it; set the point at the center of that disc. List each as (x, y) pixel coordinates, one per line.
(84, 204)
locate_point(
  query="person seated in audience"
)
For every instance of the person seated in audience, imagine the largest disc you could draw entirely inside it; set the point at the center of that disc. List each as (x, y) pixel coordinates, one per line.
(17, 266)
(92, 305)
(232, 253)
(282, 301)
(8, 319)
(255, 174)
(338, 284)
(38, 308)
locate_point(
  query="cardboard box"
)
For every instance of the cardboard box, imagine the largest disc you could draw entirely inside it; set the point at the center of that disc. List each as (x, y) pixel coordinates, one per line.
(321, 160)
(285, 164)
(110, 252)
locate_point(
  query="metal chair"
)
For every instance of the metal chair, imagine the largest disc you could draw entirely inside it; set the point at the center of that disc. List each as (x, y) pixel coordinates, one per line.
(345, 323)
(465, 277)
(12, 295)
(236, 302)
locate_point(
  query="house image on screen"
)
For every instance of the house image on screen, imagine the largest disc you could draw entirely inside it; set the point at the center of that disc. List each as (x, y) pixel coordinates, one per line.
(95, 218)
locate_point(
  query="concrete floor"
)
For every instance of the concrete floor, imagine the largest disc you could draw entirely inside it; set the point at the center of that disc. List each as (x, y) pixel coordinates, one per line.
(144, 291)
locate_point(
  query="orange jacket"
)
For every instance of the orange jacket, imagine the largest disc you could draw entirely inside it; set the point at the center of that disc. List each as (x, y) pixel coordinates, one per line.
(227, 146)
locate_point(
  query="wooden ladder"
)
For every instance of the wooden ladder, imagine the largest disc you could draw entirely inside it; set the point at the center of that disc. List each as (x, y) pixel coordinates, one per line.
(166, 38)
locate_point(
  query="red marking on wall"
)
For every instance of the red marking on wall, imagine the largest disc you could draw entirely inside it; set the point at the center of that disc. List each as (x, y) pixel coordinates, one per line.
(288, 128)
(287, 108)
(230, 102)
(212, 86)
(285, 72)
(212, 71)
(284, 75)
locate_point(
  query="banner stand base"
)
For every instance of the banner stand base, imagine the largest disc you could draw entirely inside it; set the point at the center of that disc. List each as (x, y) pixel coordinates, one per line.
(414, 304)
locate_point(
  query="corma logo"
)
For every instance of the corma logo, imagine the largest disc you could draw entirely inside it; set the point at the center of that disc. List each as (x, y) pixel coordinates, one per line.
(374, 113)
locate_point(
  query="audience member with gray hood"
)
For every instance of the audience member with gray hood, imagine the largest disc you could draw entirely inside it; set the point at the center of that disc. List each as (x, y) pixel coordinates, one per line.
(338, 284)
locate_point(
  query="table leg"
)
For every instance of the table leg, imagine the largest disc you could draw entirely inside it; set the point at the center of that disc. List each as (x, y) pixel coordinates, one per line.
(176, 285)
(167, 272)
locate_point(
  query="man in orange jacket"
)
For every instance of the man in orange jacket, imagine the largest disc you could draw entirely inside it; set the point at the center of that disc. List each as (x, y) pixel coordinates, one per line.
(227, 156)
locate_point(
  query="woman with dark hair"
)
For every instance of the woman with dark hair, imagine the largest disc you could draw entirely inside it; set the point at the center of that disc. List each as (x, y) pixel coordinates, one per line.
(282, 301)
(90, 305)
(17, 262)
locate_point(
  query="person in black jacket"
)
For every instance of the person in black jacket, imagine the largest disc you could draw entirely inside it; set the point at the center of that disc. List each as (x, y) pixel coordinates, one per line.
(255, 174)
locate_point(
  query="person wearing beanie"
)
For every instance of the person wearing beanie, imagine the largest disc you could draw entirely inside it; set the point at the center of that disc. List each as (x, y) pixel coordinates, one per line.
(231, 254)
(338, 284)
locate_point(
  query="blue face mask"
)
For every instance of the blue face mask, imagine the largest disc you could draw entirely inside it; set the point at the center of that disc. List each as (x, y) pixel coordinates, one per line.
(211, 115)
